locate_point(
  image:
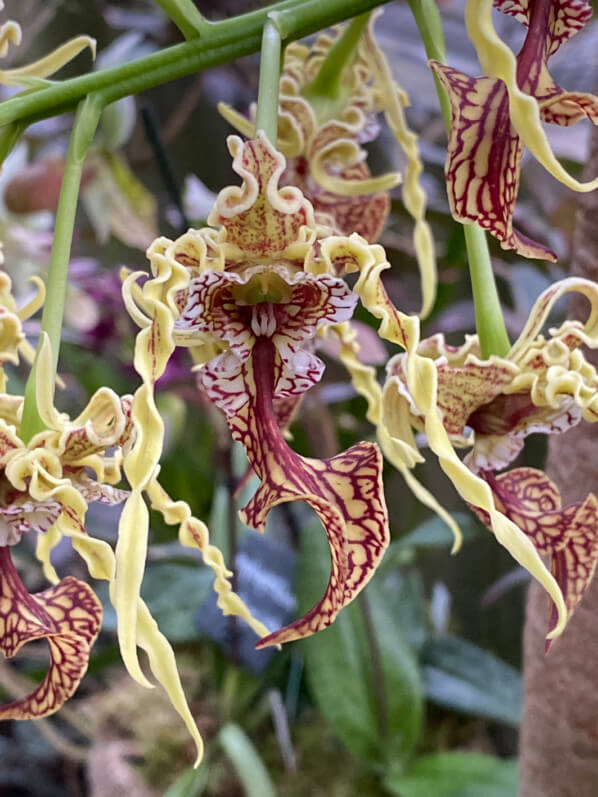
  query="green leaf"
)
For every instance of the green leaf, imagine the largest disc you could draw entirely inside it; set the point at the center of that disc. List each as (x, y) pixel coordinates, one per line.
(404, 591)
(462, 676)
(456, 774)
(342, 672)
(192, 783)
(248, 765)
(434, 533)
(173, 594)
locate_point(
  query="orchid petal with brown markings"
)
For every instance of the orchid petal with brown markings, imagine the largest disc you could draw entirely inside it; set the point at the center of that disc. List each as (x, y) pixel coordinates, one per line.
(488, 132)
(68, 615)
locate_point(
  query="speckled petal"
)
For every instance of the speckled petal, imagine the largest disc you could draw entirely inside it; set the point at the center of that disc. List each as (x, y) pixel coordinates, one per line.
(259, 217)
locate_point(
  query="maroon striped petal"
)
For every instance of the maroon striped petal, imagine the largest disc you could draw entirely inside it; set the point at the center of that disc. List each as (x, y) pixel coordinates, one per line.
(569, 535)
(345, 491)
(556, 21)
(484, 159)
(68, 615)
(274, 301)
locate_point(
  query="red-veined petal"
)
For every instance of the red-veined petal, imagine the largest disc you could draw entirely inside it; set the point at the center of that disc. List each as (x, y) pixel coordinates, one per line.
(68, 615)
(345, 491)
(484, 159)
(568, 534)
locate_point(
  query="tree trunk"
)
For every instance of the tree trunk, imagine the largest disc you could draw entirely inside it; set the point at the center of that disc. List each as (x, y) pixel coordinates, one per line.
(559, 732)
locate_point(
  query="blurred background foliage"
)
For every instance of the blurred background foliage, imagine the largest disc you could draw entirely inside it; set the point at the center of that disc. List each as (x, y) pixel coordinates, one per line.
(415, 691)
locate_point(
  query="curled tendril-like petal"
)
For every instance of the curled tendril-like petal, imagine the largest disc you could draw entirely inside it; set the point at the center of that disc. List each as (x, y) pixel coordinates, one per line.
(400, 449)
(101, 563)
(414, 196)
(158, 299)
(31, 74)
(194, 534)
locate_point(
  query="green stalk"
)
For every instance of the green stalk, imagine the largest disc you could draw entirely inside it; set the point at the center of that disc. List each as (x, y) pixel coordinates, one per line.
(267, 97)
(220, 42)
(84, 128)
(490, 322)
(429, 23)
(325, 91)
(185, 15)
(9, 138)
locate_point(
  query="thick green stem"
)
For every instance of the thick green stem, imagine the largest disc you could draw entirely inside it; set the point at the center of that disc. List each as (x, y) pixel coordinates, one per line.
(490, 323)
(185, 15)
(489, 320)
(84, 128)
(267, 98)
(325, 91)
(220, 42)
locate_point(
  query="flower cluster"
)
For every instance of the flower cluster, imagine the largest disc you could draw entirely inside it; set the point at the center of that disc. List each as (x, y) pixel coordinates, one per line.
(251, 294)
(321, 133)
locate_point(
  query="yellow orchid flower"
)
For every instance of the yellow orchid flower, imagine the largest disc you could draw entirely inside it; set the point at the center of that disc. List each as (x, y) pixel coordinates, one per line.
(247, 300)
(36, 72)
(494, 117)
(322, 140)
(490, 406)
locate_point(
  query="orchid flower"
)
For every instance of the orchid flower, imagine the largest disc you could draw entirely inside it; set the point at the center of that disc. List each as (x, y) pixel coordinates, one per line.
(248, 300)
(322, 137)
(46, 485)
(34, 73)
(490, 406)
(495, 116)
(42, 483)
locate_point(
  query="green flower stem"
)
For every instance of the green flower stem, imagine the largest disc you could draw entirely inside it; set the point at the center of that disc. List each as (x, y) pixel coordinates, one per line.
(9, 138)
(185, 15)
(84, 128)
(490, 322)
(429, 23)
(267, 98)
(325, 90)
(219, 43)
